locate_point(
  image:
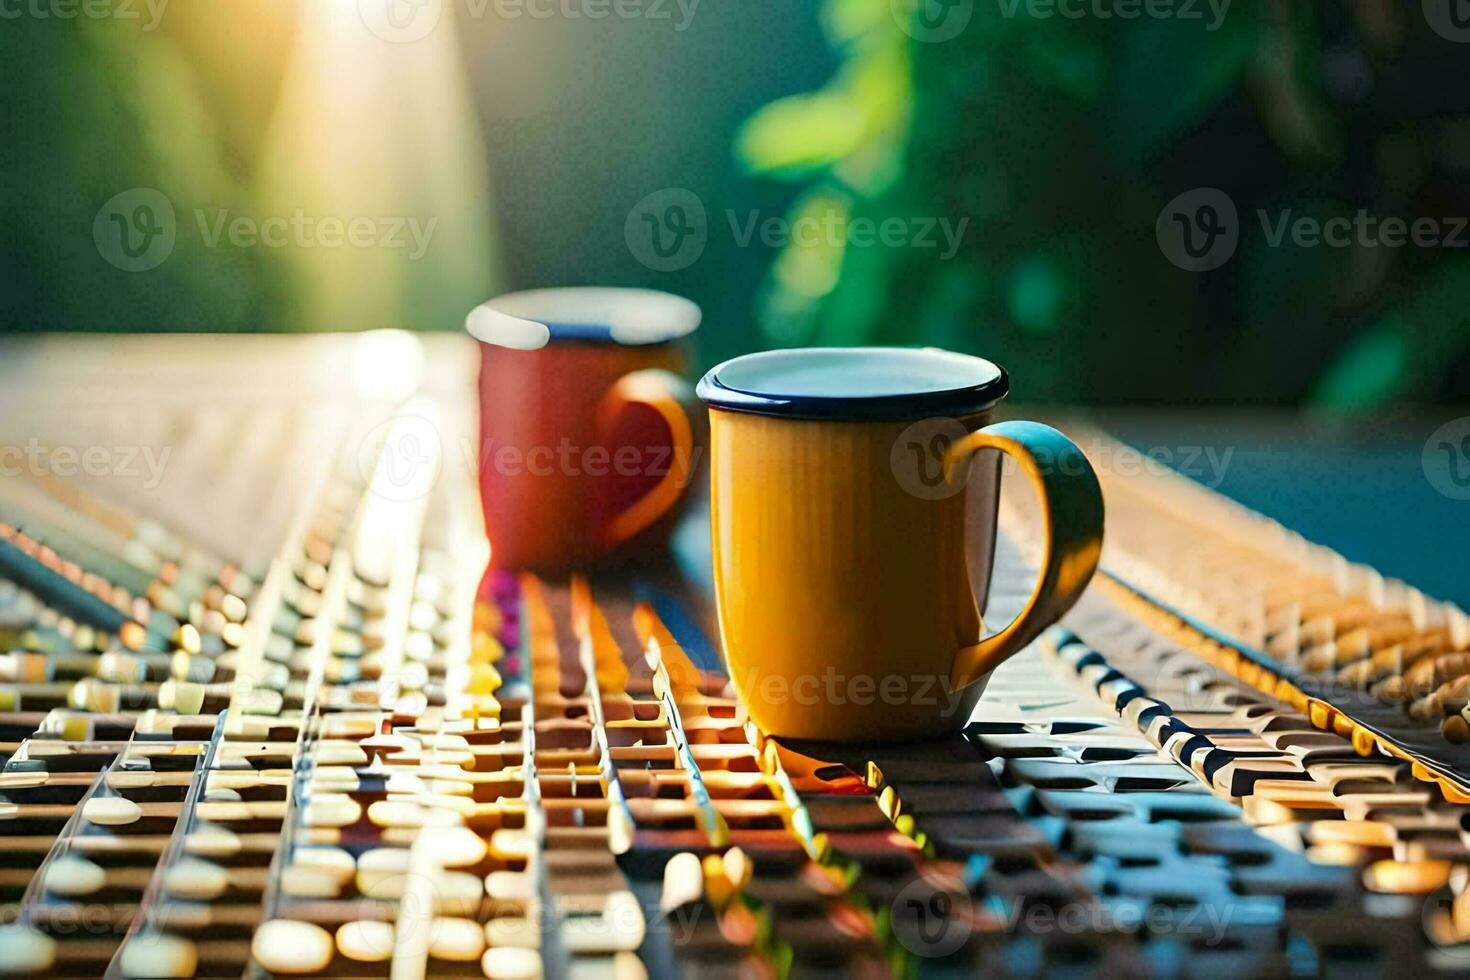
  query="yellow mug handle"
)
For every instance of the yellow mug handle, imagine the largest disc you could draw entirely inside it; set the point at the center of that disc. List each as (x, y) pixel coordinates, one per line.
(668, 395)
(1072, 519)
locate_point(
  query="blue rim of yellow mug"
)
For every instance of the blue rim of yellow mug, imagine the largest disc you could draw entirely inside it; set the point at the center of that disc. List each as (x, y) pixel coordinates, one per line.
(855, 383)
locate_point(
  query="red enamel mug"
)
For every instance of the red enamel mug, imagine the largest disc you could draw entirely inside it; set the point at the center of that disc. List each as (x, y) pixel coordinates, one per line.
(589, 436)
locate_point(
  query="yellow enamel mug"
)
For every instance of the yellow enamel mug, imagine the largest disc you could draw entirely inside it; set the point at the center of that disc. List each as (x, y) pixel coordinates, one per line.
(853, 512)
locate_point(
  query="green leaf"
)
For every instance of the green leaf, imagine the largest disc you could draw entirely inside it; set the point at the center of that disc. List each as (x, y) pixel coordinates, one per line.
(1369, 372)
(802, 131)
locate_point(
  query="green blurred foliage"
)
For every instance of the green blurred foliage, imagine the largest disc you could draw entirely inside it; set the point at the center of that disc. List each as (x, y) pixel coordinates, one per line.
(94, 108)
(1049, 143)
(1060, 140)
(234, 112)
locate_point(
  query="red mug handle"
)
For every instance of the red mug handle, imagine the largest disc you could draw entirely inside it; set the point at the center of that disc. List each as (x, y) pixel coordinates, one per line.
(672, 398)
